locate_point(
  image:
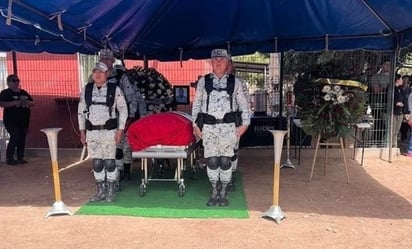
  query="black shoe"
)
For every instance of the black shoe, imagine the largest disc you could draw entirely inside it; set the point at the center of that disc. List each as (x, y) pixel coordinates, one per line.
(231, 187)
(118, 187)
(12, 162)
(21, 161)
(223, 201)
(211, 202)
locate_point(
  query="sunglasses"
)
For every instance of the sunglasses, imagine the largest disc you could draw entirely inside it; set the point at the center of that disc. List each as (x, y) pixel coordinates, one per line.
(15, 80)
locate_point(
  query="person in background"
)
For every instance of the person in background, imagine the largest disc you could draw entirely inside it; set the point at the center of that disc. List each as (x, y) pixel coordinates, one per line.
(105, 129)
(217, 99)
(405, 88)
(409, 118)
(378, 86)
(399, 110)
(136, 109)
(231, 69)
(16, 118)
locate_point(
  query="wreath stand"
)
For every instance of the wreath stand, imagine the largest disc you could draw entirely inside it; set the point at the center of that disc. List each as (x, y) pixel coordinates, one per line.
(327, 144)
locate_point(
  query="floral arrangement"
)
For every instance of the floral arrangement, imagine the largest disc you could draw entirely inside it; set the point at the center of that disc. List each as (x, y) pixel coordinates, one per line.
(330, 93)
(333, 108)
(156, 89)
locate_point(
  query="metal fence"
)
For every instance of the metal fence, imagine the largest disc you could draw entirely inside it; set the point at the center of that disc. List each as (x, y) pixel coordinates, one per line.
(55, 82)
(360, 65)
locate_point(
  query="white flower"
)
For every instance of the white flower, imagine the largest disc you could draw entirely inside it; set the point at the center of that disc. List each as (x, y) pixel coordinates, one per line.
(327, 97)
(341, 99)
(336, 88)
(326, 89)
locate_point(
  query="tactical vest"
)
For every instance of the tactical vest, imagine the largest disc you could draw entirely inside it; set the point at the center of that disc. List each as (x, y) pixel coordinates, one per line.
(230, 87)
(110, 95)
(230, 117)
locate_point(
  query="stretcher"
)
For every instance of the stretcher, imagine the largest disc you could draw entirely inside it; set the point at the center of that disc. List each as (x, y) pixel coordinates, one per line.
(183, 154)
(160, 137)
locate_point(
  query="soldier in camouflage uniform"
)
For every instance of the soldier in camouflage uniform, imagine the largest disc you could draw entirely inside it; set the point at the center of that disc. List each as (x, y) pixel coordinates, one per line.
(219, 137)
(234, 160)
(136, 107)
(105, 129)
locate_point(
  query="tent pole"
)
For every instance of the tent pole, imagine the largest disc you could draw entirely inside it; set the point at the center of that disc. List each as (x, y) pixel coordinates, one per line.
(394, 59)
(282, 63)
(145, 62)
(14, 58)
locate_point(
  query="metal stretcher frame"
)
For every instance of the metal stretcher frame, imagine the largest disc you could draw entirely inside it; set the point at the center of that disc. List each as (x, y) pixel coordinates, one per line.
(166, 152)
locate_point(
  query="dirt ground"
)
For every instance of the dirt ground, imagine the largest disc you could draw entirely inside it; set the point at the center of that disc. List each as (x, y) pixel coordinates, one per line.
(373, 211)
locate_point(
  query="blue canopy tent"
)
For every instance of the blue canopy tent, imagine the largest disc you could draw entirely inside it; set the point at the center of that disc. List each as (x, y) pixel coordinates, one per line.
(183, 29)
(172, 30)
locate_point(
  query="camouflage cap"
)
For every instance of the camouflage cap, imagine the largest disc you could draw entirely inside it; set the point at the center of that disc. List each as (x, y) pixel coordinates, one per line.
(106, 54)
(219, 53)
(119, 67)
(101, 67)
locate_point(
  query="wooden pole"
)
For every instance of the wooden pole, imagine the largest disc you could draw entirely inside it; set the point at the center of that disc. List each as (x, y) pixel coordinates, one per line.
(56, 181)
(276, 177)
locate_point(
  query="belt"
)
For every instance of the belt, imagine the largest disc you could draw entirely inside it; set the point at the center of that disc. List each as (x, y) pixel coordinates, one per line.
(98, 127)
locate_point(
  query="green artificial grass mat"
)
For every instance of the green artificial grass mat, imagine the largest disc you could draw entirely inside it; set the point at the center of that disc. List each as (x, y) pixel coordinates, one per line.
(162, 199)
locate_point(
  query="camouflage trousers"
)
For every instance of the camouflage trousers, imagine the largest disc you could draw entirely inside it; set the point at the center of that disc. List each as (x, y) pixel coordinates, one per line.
(219, 140)
(101, 144)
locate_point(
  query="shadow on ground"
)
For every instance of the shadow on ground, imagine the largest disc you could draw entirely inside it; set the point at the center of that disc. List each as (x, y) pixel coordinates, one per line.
(378, 189)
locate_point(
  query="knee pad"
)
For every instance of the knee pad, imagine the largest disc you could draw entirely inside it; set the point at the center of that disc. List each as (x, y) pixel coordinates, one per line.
(225, 162)
(119, 154)
(213, 163)
(109, 165)
(97, 164)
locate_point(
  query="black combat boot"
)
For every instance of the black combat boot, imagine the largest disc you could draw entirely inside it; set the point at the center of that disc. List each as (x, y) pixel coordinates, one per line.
(213, 196)
(100, 192)
(118, 185)
(219, 186)
(111, 194)
(222, 198)
(126, 171)
(231, 186)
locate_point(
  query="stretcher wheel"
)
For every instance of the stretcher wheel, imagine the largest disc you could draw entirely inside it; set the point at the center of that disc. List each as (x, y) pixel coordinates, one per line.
(142, 189)
(181, 190)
